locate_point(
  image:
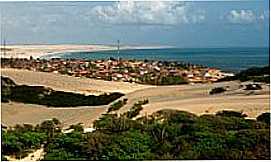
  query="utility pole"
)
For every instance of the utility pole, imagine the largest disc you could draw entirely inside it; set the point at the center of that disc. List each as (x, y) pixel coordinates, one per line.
(118, 49)
(4, 49)
(118, 46)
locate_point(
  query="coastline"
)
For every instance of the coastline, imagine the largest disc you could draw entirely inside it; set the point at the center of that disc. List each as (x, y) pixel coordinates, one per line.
(47, 51)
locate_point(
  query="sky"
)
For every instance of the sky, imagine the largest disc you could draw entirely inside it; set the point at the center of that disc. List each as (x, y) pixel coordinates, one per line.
(192, 24)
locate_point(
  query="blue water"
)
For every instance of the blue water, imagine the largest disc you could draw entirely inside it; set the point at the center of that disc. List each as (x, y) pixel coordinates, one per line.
(227, 59)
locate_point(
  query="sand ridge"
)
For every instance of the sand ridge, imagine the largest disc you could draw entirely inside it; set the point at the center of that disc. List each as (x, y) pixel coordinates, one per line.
(192, 98)
(69, 83)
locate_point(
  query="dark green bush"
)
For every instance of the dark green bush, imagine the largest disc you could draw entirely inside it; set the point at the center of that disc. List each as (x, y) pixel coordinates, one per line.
(117, 105)
(227, 113)
(44, 96)
(253, 87)
(217, 90)
(264, 117)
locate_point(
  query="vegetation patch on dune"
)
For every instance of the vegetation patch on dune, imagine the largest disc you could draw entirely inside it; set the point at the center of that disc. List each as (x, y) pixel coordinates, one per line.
(117, 105)
(45, 96)
(217, 90)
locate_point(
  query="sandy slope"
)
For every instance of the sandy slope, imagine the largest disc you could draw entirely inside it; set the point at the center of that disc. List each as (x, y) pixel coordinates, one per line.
(18, 113)
(193, 98)
(69, 83)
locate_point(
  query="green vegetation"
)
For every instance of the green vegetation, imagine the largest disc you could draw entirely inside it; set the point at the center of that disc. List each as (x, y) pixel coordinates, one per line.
(45, 96)
(172, 80)
(152, 79)
(227, 113)
(256, 74)
(117, 105)
(265, 117)
(217, 90)
(164, 135)
(25, 138)
(135, 110)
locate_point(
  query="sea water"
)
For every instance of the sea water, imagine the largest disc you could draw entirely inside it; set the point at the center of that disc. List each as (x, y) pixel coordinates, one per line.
(227, 59)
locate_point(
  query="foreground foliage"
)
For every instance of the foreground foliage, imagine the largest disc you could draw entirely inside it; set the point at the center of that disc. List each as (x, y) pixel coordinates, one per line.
(166, 134)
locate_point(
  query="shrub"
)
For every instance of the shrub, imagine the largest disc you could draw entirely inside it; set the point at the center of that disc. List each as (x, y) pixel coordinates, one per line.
(264, 117)
(171, 80)
(45, 96)
(117, 105)
(134, 111)
(253, 87)
(217, 90)
(227, 113)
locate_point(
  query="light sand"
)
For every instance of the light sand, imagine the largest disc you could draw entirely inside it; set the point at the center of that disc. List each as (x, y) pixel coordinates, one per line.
(192, 98)
(37, 51)
(196, 99)
(25, 51)
(69, 83)
(18, 113)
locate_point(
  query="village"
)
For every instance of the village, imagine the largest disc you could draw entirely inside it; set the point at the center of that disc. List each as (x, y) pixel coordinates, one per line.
(134, 71)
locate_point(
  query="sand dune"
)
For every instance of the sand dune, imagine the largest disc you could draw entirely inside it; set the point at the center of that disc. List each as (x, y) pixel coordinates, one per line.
(196, 99)
(69, 83)
(192, 98)
(18, 113)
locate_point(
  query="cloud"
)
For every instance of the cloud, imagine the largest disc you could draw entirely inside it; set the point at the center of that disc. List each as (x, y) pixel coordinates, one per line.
(147, 13)
(243, 17)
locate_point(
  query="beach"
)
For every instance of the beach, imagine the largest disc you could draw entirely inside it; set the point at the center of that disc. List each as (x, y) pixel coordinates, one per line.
(192, 98)
(48, 51)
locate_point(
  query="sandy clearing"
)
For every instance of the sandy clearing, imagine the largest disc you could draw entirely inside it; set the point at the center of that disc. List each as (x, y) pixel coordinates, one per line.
(19, 113)
(69, 83)
(250, 105)
(196, 99)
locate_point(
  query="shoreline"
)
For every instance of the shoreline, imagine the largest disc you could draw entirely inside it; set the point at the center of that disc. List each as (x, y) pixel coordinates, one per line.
(44, 50)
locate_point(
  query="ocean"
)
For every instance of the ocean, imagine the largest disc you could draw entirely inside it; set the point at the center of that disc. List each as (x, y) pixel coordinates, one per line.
(227, 59)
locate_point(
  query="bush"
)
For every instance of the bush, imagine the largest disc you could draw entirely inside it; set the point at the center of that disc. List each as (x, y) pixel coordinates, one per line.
(217, 90)
(264, 117)
(134, 111)
(45, 96)
(253, 87)
(117, 105)
(227, 113)
(172, 80)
